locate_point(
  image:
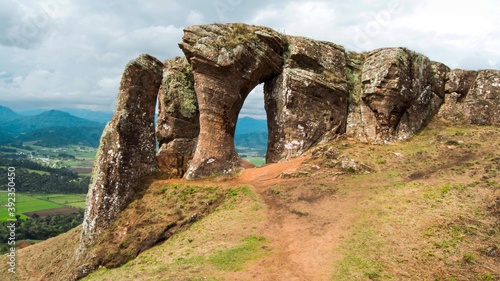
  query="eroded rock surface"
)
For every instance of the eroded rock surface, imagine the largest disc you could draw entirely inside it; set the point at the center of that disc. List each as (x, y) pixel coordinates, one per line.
(394, 94)
(307, 103)
(178, 123)
(127, 150)
(472, 97)
(228, 61)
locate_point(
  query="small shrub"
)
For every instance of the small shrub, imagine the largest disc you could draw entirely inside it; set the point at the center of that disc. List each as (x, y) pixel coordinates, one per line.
(469, 257)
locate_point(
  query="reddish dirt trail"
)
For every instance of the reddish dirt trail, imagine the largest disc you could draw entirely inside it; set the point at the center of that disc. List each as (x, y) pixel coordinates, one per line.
(302, 234)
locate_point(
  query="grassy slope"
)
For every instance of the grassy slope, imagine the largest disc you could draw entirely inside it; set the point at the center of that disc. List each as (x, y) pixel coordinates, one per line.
(426, 216)
(224, 241)
(417, 210)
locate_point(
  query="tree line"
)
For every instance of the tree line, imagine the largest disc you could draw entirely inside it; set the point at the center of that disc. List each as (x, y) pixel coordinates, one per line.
(39, 228)
(55, 180)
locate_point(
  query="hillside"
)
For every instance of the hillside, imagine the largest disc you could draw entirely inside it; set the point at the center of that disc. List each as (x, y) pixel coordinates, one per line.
(63, 136)
(248, 125)
(48, 119)
(98, 116)
(424, 209)
(7, 114)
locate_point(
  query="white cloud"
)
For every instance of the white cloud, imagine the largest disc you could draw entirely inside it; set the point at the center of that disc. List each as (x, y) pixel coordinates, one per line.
(159, 41)
(195, 17)
(254, 104)
(304, 18)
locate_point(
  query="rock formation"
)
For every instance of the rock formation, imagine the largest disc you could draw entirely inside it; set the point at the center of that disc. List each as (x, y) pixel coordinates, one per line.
(472, 97)
(127, 150)
(228, 61)
(396, 92)
(314, 92)
(307, 103)
(178, 117)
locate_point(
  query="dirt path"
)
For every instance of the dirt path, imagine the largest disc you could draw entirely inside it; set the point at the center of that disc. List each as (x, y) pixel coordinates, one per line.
(303, 231)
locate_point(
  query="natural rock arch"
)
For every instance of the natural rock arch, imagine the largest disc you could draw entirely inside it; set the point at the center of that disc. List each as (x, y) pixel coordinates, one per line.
(228, 61)
(314, 91)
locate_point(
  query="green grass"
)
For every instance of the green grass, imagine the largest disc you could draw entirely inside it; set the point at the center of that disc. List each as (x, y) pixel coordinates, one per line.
(257, 161)
(233, 259)
(24, 203)
(37, 202)
(73, 200)
(38, 172)
(359, 256)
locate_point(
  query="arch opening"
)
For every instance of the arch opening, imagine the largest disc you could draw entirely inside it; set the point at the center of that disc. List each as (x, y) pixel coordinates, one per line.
(251, 134)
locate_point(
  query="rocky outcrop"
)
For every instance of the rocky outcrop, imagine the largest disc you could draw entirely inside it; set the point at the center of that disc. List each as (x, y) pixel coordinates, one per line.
(178, 125)
(397, 91)
(127, 150)
(472, 97)
(228, 61)
(307, 103)
(314, 92)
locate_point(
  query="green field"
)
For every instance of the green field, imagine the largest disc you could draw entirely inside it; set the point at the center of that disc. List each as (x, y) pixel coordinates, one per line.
(72, 200)
(257, 161)
(37, 202)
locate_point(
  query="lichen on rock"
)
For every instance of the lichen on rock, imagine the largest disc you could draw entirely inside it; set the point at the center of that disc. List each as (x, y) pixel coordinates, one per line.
(178, 125)
(307, 103)
(472, 97)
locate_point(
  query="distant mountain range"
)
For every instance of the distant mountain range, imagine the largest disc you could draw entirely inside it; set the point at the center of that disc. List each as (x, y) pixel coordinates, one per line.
(97, 116)
(55, 128)
(48, 119)
(248, 125)
(48, 128)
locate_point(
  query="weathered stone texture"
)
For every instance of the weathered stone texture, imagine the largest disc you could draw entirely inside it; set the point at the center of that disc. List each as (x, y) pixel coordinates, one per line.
(307, 103)
(399, 94)
(314, 91)
(472, 97)
(228, 61)
(177, 126)
(127, 150)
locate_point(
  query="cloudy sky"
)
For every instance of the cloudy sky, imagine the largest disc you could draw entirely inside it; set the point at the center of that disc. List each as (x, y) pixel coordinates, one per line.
(62, 53)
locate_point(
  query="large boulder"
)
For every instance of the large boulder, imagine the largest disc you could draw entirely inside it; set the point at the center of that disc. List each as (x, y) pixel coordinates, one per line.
(394, 94)
(228, 61)
(126, 154)
(472, 97)
(307, 103)
(178, 125)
